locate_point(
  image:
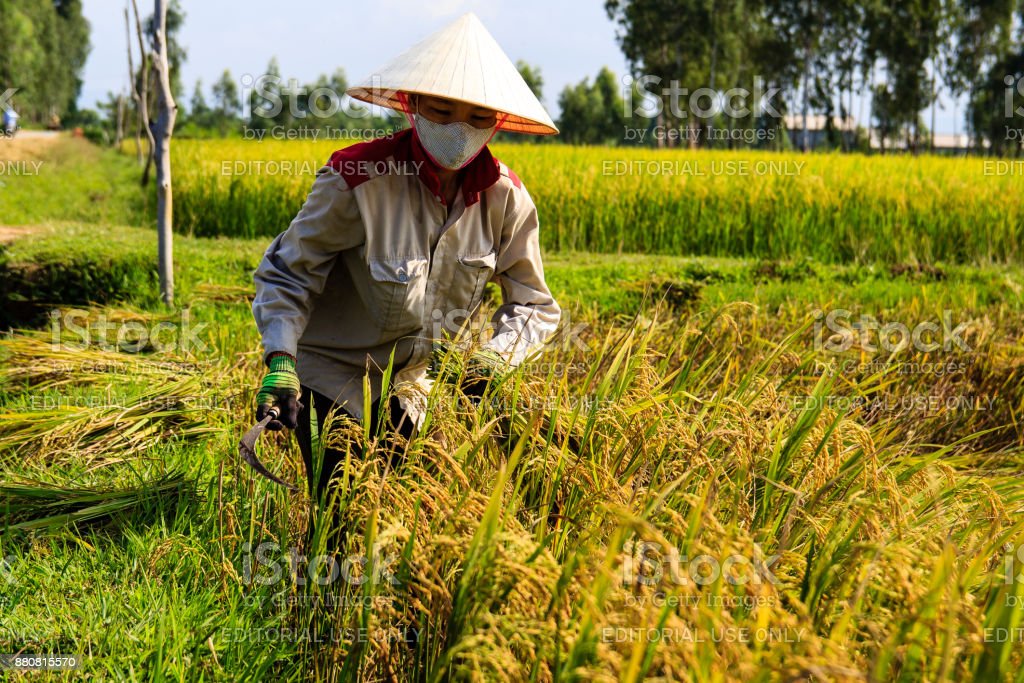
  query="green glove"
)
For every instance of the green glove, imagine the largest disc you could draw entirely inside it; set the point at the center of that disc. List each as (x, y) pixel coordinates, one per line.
(280, 389)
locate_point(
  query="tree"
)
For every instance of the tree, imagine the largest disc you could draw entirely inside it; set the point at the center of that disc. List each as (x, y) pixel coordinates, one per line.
(904, 36)
(996, 101)
(43, 48)
(198, 108)
(266, 106)
(136, 97)
(576, 122)
(592, 114)
(226, 101)
(143, 79)
(686, 45)
(981, 30)
(167, 112)
(176, 53)
(816, 53)
(321, 103)
(70, 57)
(984, 44)
(608, 126)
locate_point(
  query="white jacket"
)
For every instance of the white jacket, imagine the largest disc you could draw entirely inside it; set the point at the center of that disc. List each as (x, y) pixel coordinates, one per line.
(375, 263)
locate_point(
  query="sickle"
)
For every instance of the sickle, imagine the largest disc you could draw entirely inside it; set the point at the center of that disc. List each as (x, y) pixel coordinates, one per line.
(247, 449)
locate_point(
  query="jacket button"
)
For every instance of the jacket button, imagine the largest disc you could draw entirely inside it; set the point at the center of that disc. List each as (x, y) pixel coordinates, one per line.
(402, 277)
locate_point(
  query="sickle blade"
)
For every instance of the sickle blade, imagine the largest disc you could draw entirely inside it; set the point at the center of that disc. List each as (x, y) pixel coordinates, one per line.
(247, 449)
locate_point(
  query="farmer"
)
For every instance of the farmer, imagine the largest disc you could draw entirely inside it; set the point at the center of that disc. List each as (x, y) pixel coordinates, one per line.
(10, 121)
(397, 240)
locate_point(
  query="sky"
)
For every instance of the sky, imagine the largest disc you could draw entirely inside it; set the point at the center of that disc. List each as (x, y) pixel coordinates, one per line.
(569, 40)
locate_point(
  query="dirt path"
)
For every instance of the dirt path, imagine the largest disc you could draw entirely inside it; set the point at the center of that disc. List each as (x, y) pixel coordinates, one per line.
(9, 233)
(36, 135)
(28, 144)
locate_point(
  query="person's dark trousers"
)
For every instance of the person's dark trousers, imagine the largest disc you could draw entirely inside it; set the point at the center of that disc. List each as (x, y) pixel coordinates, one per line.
(334, 458)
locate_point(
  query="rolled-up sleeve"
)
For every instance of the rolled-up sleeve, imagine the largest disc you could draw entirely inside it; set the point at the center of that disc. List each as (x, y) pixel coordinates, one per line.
(296, 265)
(529, 314)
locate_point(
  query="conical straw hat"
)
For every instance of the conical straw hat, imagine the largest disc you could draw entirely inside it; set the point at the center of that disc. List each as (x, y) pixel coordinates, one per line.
(462, 62)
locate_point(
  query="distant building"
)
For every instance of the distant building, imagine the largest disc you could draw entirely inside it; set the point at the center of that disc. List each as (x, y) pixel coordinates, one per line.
(944, 143)
(817, 135)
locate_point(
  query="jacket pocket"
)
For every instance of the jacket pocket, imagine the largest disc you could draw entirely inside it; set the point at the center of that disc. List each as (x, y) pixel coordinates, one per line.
(472, 275)
(397, 285)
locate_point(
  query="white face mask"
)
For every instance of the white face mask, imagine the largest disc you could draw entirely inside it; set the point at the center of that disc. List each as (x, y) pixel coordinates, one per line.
(452, 145)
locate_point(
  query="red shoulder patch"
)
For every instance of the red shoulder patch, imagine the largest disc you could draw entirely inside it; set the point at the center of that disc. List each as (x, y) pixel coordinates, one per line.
(514, 178)
(511, 174)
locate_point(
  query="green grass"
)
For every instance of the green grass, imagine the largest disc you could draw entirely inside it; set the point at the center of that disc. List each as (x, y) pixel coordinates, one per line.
(76, 181)
(70, 263)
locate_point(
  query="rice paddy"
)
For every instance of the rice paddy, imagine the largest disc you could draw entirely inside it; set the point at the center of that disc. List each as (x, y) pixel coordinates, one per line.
(834, 208)
(704, 477)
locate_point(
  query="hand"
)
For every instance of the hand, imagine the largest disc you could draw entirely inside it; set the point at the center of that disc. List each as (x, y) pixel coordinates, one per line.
(280, 388)
(483, 366)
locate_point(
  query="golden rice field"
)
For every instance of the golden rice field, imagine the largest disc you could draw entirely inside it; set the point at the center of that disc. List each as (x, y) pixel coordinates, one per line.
(695, 481)
(833, 208)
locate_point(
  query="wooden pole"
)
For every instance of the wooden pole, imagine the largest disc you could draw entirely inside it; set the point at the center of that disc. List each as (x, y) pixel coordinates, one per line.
(135, 90)
(119, 133)
(144, 68)
(167, 112)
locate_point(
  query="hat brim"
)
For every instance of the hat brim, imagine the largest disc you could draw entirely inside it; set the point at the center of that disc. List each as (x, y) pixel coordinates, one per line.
(389, 99)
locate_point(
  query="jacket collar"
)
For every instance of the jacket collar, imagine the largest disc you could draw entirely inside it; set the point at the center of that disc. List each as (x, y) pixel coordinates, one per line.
(481, 173)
